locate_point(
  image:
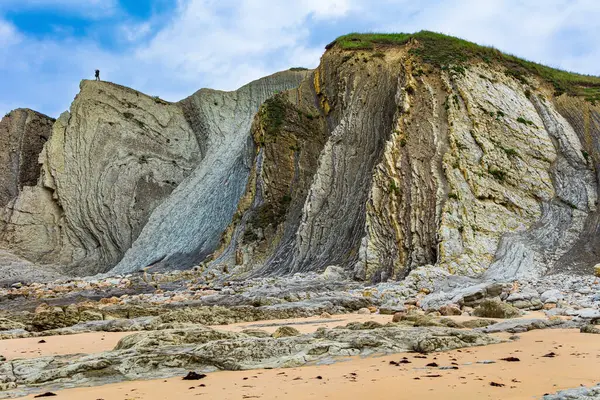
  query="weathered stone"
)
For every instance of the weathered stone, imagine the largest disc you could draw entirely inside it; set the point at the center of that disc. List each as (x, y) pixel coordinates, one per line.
(477, 323)
(7, 325)
(54, 317)
(399, 316)
(175, 352)
(590, 329)
(285, 331)
(450, 310)
(496, 309)
(23, 134)
(551, 296)
(257, 333)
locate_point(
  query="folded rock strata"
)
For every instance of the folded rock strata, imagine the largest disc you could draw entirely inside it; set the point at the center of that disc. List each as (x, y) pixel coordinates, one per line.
(377, 162)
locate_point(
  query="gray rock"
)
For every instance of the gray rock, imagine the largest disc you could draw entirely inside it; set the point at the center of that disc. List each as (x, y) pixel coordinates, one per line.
(285, 331)
(590, 329)
(551, 296)
(496, 309)
(581, 393)
(23, 133)
(524, 325)
(173, 352)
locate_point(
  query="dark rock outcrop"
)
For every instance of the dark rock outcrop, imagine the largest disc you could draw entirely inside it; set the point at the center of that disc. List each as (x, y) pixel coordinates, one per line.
(22, 136)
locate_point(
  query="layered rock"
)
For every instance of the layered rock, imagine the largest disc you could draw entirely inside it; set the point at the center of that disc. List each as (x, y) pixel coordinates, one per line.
(173, 352)
(382, 160)
(473, 169)
(111, 160)
(187, 228)
(22, 136)
(116, 156)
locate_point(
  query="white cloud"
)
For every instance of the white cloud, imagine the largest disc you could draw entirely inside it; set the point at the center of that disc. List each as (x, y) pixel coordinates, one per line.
(225, 44)
(8, 34)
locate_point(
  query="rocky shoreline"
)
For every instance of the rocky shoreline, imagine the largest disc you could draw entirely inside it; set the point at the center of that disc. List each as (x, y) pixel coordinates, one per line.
(169, 314)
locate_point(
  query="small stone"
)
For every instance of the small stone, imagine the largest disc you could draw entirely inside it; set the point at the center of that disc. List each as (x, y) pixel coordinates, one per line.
(193, 376)
(364, 311)
(549, 306)
(597, 270)
(372, 309)
(325, 315)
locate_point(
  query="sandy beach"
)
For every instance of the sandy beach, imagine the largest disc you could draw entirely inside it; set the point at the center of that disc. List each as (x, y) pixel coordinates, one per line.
(478, 373)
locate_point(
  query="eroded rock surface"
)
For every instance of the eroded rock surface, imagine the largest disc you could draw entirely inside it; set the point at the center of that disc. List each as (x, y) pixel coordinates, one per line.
(173, 352)
(23, 133)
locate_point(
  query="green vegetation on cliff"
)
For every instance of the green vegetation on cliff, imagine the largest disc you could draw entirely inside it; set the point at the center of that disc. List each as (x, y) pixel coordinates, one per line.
(442, 51)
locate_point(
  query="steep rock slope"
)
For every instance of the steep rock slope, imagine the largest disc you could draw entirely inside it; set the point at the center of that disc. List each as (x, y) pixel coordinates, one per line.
(480, 166)
(187, 227)
(111, 160)
(22, 136)
(398, 151)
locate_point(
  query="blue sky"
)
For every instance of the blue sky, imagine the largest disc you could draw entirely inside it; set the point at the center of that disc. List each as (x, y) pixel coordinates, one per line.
(171, 48)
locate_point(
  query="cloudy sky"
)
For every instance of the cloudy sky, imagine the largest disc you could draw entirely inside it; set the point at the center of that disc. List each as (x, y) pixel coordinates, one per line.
(171, 48)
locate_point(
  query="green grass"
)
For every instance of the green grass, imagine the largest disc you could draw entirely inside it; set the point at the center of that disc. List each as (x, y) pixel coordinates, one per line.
(393, 188)
(525, 121)
(273, 113)
(447, 52)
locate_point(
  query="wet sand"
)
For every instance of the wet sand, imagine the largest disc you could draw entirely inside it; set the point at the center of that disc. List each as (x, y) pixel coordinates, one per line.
(85, 343)
(575, 363)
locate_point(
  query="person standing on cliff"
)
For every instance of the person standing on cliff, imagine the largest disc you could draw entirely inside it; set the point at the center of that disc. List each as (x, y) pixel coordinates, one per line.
(97, 74)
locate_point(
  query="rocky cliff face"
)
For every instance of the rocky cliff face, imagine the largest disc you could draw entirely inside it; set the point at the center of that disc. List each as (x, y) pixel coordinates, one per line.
(22, 136)
(472, 169)
(110, 170)
(381, 160)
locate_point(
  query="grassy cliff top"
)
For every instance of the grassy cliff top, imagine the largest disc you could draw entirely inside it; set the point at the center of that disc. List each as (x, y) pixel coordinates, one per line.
(444, 51)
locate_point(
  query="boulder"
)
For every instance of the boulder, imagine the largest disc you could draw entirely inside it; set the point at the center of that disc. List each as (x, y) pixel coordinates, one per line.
(590, 329)
(7, 325)
(399, 316)
(496, 309)
(551, 296)
(46, 318)
(334, 273)
(450, 310)
(285, 331)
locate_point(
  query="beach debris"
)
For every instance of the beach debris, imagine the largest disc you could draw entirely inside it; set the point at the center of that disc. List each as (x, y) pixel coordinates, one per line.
(193, 376)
